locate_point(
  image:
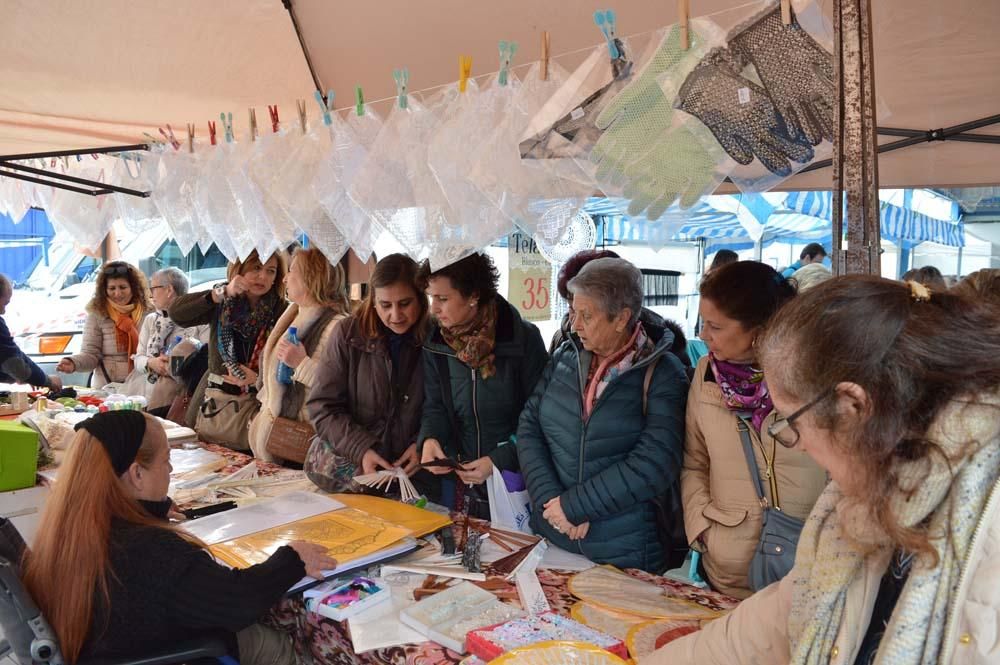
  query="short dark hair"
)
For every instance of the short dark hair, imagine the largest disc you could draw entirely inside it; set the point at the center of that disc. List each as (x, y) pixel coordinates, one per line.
(473, 275)
(575, 264)
(723, 257)
(812, 250)
(748, 291)
(929, 276)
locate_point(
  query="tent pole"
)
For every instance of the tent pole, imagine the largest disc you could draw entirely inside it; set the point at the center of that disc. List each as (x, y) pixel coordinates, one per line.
(49, 183)
(73, 153)
(855, 157)
(305, 51)
(103, 188)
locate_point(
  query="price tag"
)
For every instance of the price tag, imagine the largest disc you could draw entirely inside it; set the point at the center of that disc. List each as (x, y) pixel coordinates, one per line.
(577, 113)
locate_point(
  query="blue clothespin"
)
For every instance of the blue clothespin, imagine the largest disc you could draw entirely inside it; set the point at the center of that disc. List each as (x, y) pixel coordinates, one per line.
(606, 22)
(227, 126)
(507, 51)
(326, 106)
(402, 78)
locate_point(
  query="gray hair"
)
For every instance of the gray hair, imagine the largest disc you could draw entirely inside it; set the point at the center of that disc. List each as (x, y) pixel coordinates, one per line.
(176, 278)
(5, 285)
(614, 283)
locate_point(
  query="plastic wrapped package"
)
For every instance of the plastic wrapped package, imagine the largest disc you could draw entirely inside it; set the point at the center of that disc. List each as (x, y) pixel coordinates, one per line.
(271, 150)
(252, 216)
(215, 209)
(397, 189)
(86, 219)
(452, 155)
(15, 197)
(174, 195)
(139, 170)
(541, 196)
(559, 653)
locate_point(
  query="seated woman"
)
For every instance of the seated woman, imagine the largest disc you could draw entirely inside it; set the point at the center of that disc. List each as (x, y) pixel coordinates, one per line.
(895, 390)
(157, 335)
(135, 583)
(318, 292)
(481, 363)
(111, 334)
(602, 435)
(240, 315)
(368, 397)
(722, 514)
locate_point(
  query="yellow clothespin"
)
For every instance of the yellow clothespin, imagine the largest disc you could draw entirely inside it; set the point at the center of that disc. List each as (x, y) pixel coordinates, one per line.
(253, 124)
(464, 70)
(301, 105)
(786, 12)
(190, 128)
(683, 14)
(545, 55)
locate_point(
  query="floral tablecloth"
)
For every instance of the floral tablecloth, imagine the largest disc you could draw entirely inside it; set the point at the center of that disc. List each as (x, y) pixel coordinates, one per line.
(328, 642)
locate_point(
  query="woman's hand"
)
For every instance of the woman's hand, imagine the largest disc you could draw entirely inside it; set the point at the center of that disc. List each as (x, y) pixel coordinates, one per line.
(66, 366)
(290, 354)
(372, 462)
(250, 380)
(432, 451)
(158, 365)
(237, 286)
(555, 516)
(174, 513)
(314, 557)
(408, 460)
(476, 473)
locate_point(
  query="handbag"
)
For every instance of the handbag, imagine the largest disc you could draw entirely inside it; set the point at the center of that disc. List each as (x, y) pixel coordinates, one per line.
(774, 555)
(225, 418)
(289, 439)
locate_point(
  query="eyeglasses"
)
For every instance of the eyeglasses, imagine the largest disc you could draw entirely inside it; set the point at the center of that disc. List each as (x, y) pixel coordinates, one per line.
(784, 431)
(116, 270)
(157, 286)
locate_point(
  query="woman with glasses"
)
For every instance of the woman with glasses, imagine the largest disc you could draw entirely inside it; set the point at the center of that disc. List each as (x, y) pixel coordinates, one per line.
(111, 334)
(722, 512)
(894, 389)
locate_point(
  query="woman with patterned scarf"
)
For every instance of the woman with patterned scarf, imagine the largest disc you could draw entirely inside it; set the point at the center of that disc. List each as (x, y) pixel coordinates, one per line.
(481, 363)
(895, 390)
(111, 335)
(241, 314)
(722, 514)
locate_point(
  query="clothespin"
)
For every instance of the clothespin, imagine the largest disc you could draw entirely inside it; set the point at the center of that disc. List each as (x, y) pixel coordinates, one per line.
(464, 70)
(190, 128)
(300, 104)
(152, 139)
(65, 161)
(325, 105)
(507, 51)
(683, 17)
(359, 101)
(211, 131)
(402, 78)
(545, 55)
(169, 136)
(606, 22)
(253, 124)
(786, 12)
(273, 112)
(227, 126)
(52, 163)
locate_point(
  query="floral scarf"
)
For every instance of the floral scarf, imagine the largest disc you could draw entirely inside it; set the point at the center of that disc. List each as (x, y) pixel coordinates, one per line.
(602, 373)
(126, 319)
(251, 324)
(743, 389)
(163, 332)
(473, 342)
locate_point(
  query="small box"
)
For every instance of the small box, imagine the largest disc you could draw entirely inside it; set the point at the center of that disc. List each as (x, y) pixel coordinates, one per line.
(18, 456)
(339, 600)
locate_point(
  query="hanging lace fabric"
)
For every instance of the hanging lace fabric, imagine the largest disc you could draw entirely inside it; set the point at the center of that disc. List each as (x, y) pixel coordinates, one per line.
(86, 219)
(139, 170)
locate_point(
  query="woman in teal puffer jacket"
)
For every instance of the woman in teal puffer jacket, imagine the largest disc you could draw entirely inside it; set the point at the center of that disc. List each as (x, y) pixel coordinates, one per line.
(603, 434)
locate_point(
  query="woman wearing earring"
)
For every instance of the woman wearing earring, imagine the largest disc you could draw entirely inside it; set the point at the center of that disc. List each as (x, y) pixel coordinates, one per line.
(722, 514)
(111, 334)
(481, 363)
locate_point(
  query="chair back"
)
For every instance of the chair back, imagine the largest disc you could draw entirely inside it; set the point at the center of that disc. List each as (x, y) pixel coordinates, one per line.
(26, 630)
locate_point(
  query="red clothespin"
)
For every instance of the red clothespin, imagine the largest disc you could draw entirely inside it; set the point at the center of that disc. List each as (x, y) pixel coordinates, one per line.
(211, 131)
(273, 112)
(169, 136)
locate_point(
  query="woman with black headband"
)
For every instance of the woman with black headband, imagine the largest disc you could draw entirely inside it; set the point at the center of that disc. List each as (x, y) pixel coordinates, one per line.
(115, 578)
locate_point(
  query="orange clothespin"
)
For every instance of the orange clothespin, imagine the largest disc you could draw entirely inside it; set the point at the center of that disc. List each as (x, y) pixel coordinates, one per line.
(683, 16)
(190, 130)
(211, 131)
(545, 55)
(273, 112)
(464, 70)
(301, 106)
(786, 12)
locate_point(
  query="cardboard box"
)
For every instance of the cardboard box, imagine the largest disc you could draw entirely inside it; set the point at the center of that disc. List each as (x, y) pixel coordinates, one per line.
(18, 456)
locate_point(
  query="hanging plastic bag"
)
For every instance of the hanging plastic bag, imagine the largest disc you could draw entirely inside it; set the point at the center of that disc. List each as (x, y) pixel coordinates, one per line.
(86, 219)
(252, 216)
(173, 195)
(139, 170)
(510, 505)
(214, 204)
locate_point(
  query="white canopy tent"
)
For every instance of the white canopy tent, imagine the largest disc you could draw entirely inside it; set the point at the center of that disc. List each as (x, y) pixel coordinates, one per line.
(79, 74)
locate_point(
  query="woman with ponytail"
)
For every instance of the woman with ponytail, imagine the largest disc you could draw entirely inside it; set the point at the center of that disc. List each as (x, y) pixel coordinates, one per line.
(115, 578)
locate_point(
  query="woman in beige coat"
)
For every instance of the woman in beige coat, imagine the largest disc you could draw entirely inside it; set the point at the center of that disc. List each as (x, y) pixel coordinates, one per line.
(111, 334)
(318, 292)
(722, 514)
(897, 564)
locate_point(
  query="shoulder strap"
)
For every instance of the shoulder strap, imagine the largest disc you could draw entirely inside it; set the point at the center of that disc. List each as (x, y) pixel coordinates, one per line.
(743, 425)
(646, 381)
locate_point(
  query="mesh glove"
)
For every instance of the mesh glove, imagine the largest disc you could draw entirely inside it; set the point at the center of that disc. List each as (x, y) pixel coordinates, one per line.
(637, 115)
(678, 166)
(796, 71)
(748, 127)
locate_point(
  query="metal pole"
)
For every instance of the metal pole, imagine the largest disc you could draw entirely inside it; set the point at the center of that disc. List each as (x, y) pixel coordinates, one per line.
(103, 188)
(71, 153)
(305, 51)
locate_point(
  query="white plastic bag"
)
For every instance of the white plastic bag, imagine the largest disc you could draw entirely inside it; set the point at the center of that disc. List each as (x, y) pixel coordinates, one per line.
(508, 509)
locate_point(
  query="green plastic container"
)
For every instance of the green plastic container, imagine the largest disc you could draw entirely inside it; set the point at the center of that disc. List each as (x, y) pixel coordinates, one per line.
(18, 456)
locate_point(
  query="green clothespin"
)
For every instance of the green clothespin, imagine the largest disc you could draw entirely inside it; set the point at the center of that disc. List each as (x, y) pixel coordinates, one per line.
(402, 78)
(359, 101)
(507, 51)
(227, 126)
